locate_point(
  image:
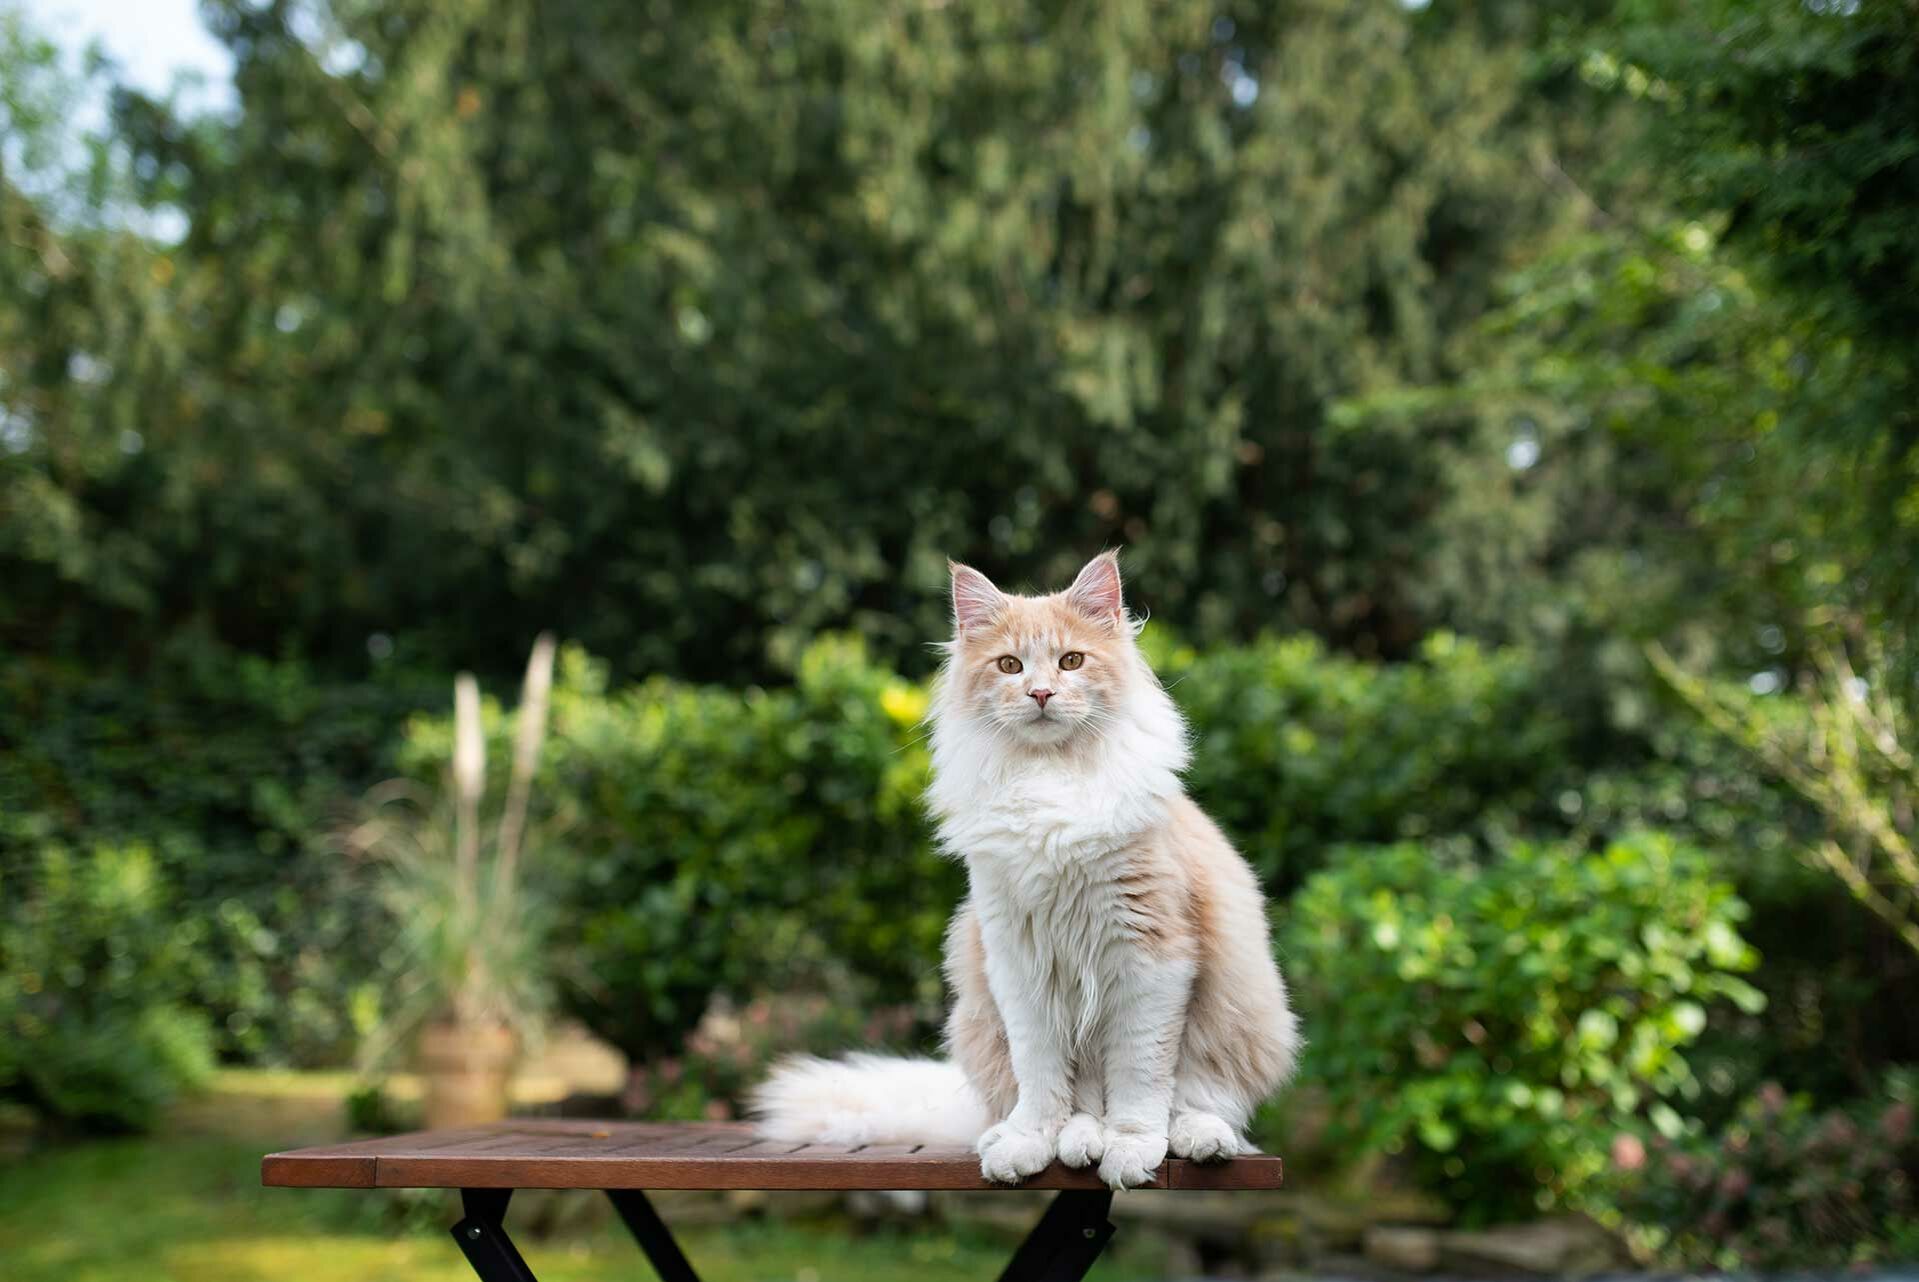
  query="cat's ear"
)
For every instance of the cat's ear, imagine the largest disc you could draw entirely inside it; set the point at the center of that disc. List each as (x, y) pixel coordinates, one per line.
(1096, 592)
(975, 599)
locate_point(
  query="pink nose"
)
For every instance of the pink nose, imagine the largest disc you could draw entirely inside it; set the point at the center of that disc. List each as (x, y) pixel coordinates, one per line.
(1040, 696)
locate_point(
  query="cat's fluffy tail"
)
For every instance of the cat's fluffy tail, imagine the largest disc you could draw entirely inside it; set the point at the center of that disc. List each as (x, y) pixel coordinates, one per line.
(868, 1099)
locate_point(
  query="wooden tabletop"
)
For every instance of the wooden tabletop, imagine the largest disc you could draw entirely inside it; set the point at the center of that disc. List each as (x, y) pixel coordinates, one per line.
(544, 1154)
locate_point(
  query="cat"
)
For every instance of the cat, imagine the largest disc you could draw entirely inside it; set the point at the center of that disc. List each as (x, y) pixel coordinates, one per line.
(1114, 994)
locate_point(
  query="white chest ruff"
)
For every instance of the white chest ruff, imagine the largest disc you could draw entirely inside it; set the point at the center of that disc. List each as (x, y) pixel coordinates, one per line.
(1043, 829)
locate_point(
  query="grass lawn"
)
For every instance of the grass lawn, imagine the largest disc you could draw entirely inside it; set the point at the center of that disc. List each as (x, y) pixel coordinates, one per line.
(187, 1205)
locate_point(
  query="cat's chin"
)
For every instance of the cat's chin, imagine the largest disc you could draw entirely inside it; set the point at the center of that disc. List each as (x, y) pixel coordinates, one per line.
(1047, 732)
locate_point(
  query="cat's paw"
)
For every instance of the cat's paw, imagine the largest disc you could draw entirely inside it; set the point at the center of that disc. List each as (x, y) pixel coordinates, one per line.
(1082, 1141)
(1009, 1153)
(1203, 1137)
(1131, 1158)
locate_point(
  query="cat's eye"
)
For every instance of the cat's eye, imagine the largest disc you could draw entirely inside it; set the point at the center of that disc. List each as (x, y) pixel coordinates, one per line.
(1070, 660)
(1007, 663)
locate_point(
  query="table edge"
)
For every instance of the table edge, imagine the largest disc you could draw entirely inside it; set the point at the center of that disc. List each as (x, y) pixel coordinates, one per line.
(297, 1168)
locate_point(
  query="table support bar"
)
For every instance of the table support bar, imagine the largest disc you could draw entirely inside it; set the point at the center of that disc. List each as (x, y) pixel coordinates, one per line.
(1067, 1239)
(650, 1231)
(482, 1235)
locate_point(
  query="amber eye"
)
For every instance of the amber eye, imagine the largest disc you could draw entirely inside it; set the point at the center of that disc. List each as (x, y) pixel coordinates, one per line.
(1007, 663)
(1070, 660)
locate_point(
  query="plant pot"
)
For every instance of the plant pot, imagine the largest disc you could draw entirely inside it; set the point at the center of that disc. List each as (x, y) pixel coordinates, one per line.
(465, 1072)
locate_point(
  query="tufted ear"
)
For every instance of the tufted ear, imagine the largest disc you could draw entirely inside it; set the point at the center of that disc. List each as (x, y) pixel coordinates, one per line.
(975, 599)
(1096, 592)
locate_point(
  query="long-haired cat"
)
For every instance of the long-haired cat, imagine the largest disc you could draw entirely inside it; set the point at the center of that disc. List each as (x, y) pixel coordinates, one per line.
(1113, 984)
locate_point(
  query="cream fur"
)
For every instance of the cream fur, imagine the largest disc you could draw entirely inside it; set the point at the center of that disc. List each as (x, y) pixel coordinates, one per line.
(1114, 991)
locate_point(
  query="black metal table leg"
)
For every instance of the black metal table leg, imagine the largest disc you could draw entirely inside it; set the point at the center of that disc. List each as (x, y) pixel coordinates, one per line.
(1061, 1247)
(644, 1223)
(1067, 1239)
(482, 1236)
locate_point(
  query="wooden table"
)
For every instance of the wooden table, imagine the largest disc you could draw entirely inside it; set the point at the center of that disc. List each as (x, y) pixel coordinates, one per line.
(622, 1159)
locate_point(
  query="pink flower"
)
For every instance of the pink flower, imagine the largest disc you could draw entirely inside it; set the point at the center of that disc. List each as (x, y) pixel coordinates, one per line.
(1628, 1152)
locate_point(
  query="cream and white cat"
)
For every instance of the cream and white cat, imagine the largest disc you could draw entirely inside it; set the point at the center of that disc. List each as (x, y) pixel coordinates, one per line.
(1114, 991)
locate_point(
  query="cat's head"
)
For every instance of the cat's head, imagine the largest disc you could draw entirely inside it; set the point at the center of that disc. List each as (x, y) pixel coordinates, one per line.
(1044, 670)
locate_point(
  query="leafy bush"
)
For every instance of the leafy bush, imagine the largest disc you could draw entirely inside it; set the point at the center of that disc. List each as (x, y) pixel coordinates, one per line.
(1499, 1024)
(723, 841)
(226, 769)
(1838, 998)
(1785, 1186)
(1297, 750)
(95, 971)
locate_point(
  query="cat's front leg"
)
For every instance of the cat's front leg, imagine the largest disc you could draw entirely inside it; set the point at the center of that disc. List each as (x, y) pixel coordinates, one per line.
(1026, 1142)
(1140, 1046)
(1082, 1141)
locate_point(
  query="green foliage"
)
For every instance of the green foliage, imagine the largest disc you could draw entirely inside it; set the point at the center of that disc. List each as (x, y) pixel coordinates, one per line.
(1499, 1024)
(1706, 442)
(470, 925)
(370, 1110)
(693, 330)
(471, 951)
(696, 331)
(720, 841)
(1797, 119)
(229, 770)
(1297, 751)
(95, 971)
(1785, 1186)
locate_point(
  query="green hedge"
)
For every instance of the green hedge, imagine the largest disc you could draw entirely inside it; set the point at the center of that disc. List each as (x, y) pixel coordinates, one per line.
(229, 771)
(1297, 750)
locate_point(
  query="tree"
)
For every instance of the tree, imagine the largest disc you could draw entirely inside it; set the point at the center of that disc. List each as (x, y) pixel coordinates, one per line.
(690, 330)
(1791, 125)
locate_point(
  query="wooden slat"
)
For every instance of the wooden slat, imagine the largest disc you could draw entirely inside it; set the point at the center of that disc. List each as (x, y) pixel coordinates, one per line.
(319, 1168)
(1252, 1171)
(653, 1155)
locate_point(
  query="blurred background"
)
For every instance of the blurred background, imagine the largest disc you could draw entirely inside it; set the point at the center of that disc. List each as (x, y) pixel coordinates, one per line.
(1508, 413)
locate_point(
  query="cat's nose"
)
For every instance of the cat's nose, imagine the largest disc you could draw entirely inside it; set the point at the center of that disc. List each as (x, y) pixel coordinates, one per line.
(1040, 696)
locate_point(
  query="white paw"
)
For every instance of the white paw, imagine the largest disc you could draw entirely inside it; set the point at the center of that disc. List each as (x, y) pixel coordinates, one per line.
(1009, 1153)
(1204, 1137)
(1131, 1158)
(1082, 1141)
